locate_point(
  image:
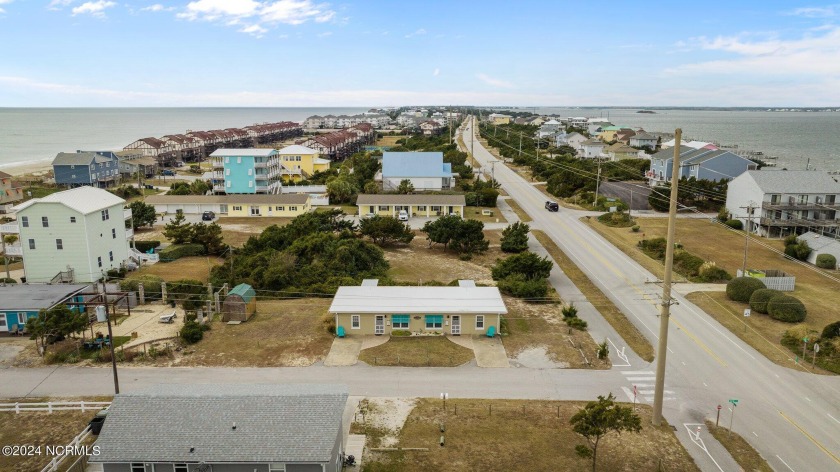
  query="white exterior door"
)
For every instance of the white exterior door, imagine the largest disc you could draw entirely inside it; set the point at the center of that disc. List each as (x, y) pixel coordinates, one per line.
(379, 327)
(456, 325)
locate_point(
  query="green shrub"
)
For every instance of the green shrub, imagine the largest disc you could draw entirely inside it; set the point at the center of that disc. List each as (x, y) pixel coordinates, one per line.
(518, 286)
(741, 289)
(6, 280)
(654, 248)
(759, 299)
(635, 228)
(786, 308)
(145, 246)
(329, 323)
(687, 264)
(799, 251)
(831, 331)
(617, 219)
(177, 251)
(711, 273)
(826, 261)
(151, 285)
(570, 311)
(576, 323)
(791, 240)
(735, 224)
(400, 333)
(191, 333)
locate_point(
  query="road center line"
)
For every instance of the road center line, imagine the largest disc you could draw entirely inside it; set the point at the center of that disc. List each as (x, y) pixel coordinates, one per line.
(817, 443)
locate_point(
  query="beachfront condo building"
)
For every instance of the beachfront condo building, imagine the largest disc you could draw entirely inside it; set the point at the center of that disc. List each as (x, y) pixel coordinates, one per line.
(73, 236)
(300, 162)
(249, 170)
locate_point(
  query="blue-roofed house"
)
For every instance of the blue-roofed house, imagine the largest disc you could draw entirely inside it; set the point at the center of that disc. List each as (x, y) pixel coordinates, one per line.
(74, 169)
(425, 170)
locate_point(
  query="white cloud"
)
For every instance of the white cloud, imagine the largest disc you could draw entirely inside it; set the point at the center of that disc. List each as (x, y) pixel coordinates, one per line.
(96, 9)
(4, 2)
(493, 81)
(156, 8)
(814, 12)
(269, 13)
(325, 34)
(58, 4)
(436, 72)
(812, 55)
(419, 32)
(254, 30)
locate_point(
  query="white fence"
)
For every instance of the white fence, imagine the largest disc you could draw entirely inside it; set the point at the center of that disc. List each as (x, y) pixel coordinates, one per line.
(74, 445)
(53, 406)
(775, 279)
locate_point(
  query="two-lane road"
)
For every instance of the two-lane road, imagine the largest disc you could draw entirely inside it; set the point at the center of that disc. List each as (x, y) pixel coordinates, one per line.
(789, 416)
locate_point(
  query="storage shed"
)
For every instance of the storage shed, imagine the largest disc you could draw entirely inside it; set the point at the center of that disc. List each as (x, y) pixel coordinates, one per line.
(240, 303)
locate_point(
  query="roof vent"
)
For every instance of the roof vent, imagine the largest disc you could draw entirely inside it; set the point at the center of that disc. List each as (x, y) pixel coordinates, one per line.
(234, 426)
(192, 449)
(466, 283)
(370, 282)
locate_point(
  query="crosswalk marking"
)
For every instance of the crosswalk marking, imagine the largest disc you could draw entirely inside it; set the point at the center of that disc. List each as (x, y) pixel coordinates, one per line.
(644, 391)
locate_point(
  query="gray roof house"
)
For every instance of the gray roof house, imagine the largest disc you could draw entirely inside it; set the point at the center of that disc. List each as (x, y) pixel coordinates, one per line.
(704, 163)
(784, 202)
(86, 168)
(224, 428)
(820, 244)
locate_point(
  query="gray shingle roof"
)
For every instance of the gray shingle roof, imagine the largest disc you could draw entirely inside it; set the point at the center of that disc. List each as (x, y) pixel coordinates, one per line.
(793, 181)
(33, 297)
(274, 423)
(78, 158)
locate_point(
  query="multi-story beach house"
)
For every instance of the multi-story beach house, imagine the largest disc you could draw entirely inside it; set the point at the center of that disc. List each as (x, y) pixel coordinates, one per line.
(10, 192)
(73, 169)
(425, 171)
(73, 236)
(704, 163)
(249, 170)
(777, 203)
(300, 162)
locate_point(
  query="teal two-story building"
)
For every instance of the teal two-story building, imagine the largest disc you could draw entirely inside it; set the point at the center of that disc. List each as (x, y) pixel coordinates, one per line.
(19, 302)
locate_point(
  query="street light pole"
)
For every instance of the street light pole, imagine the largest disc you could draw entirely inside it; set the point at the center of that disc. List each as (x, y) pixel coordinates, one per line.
(665, 310)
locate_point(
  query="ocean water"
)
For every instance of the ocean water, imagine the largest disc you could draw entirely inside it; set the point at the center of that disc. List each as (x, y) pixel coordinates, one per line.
(38, 134)
(792, 137)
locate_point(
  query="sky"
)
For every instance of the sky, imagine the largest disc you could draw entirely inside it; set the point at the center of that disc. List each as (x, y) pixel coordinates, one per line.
(299, 53)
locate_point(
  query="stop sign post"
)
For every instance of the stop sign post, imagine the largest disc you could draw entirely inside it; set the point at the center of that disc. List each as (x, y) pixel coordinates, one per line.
(717, 421)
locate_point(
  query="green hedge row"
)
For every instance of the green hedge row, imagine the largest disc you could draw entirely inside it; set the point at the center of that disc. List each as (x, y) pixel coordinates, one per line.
(177, 251)
(826, 261)
(145, 246)
(741, 289)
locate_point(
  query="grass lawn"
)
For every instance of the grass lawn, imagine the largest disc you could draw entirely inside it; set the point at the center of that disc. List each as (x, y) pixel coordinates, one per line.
(197, 268)
(518, 435)
(541, 325)
(518, 210)
(598, 299)
(348, 209)
(388, 140)
(417, 351)
(417, 262)
(38, 428)
(474, 213)
(744, 454)
(281, 333)
(39, 191)
(727, 251)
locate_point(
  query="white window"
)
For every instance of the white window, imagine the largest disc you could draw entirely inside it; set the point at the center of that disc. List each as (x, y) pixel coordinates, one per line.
(355, 321)
(181, 468)
(281, 208)
(227, 171)
(237, 208)
(93, 175)
(479, 321)
(255, 211)
(227, 160)
(297, 158)
(72, 219)
(250, 183)
(105, 215)
(2, 321)
(73, 176)
(111, 255)
(31, 244)
(24, 221)
(99, 261)
(113, 233)
(250, 171)
(292, 208)
(138, 467)
(384, 208)
(228, 184)
(45, 222)
(421, 208)
(273, 468)
(239, 160)
(59, 244)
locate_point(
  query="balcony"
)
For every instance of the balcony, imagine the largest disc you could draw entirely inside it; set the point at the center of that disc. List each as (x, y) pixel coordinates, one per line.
(10, 228)
(796, 205)
(126, 213)
(785, 222)
(219, 188)
(217, 163)
(219, 175)
(129, 233)
(14, 250)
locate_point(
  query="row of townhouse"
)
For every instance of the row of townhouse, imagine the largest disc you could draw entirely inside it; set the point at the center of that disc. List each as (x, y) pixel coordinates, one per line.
(345, 121)
(339, 144)
(194, 145)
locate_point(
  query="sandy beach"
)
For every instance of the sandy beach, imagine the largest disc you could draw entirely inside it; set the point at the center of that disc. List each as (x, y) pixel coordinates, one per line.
(37, 168)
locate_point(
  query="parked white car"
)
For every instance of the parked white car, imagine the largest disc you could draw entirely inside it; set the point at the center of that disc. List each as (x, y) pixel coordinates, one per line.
(403, 215)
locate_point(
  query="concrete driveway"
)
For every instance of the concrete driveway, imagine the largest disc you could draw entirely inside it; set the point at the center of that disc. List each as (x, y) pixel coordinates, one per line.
(344, 351)
(489, 352)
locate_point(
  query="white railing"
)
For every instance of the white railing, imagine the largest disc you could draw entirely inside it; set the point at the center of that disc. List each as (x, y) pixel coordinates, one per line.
(219, 188)
(50, 407)
(16, 250)
(126, 213)
(69, 450)
(10, 228)
(129, 233)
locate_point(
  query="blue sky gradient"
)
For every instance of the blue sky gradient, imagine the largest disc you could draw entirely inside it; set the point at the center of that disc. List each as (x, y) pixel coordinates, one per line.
(310, 53)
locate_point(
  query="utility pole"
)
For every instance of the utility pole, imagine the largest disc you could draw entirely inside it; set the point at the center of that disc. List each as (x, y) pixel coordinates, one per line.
(665, 310)
(520, 144)
(493, 171)
(597, 182)
(747, 235)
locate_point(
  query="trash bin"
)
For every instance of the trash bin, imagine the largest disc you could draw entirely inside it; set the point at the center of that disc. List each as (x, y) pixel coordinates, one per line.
(172, 303)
